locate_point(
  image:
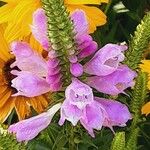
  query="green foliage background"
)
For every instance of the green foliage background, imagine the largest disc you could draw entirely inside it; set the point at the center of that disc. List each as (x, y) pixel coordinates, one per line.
(121, 24)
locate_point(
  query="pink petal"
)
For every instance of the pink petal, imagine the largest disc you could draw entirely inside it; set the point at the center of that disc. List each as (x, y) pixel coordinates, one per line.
(70, 112)
(80, 22)
(117, 113)
(76, 69)
(88, 50)
(106, 60)
(114, 83)
(93, 118)
(28, 129)
(29, 85)
(79, 94)
(27, 59)
(39, 28)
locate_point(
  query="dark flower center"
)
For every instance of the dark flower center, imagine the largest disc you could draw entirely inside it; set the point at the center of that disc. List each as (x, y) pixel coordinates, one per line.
(7, 73)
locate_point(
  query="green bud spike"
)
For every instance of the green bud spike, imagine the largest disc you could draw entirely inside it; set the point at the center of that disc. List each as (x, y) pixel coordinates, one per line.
(139, 96)
(60, 34)
(138, 43)
(118, 141)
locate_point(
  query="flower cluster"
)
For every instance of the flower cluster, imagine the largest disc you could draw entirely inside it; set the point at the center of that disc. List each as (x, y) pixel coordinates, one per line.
(105, 73)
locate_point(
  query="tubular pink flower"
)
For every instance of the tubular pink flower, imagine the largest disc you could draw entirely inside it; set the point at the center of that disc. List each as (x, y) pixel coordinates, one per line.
(39, 28)
(114, 83)
(117, 113)
(28, 129)
(27, 59)
(28, 84)
(76, 69)
(79, 105)
(93, 113)
(54, 76)
(106, 60)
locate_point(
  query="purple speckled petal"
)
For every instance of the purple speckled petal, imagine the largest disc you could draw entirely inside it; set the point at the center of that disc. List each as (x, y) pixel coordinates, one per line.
(106, 60)
(28, 84)
(39, 28)
(76, 69)
(28, 129)
(114, 83)
(117, 113)
(27, 59)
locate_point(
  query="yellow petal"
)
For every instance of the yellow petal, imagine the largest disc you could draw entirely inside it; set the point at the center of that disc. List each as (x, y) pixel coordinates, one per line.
(35, 44)
(43, 101)
(79, 2)
(22, 18)
(146, 108)
(22, 108)
(145, 66)
(2, 89)
(5, 12)
(6, 110)
(94, 15)
(36, 104)
(4, 49)
(4, 97)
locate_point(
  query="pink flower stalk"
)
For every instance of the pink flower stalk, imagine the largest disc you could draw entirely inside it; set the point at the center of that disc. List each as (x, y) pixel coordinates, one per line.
(93, 113)
(30, 80)
(106, 60)
(114, 83)
(86, 45)
(28, 129)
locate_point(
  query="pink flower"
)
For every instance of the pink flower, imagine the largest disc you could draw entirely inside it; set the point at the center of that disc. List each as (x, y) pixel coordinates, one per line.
(115, 82)
(28, 84)
(79, 105)
(86, 45)
(30, 80)
(76, 69)
(28, 129)
(39, 28)
(27, 59)
(93, 113)
(117, 113)
(106, 60)
(80, 22)
(54, 75)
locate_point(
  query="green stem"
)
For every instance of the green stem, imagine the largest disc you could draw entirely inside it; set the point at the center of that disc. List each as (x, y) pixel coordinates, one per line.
(108, 6)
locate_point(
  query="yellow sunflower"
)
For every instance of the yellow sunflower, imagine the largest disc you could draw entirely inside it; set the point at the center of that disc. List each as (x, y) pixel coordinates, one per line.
(18, 15)
(21, 104)
(145, 66)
